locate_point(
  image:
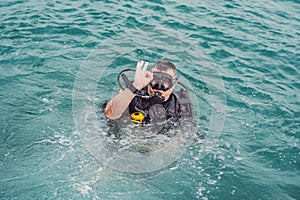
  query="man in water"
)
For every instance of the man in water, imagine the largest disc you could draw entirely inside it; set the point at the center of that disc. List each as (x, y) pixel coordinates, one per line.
(149, 95)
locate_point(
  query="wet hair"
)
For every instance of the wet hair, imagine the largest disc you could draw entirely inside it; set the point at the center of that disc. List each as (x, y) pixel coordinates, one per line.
(164, 65)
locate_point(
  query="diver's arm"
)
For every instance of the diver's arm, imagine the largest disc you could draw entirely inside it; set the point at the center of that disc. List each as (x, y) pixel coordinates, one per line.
(115, 107)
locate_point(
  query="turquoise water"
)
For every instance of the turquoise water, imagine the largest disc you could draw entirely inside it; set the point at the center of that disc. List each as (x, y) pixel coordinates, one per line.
(59, 62)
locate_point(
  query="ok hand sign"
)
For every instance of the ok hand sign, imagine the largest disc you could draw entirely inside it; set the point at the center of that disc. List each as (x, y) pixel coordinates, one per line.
(142, 77)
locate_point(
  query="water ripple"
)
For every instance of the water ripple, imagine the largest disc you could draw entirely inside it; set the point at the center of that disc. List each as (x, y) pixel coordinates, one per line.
(253, 45)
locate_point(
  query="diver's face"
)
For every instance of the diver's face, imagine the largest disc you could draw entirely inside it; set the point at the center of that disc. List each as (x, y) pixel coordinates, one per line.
(163, 82)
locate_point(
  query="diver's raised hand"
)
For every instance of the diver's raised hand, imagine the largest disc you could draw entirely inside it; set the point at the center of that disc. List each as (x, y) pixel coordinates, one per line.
(142, 77)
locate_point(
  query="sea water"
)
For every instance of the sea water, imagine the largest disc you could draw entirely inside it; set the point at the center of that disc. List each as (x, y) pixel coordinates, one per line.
(59, 62)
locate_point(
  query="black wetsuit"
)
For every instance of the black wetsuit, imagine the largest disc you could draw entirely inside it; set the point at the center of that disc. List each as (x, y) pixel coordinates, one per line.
(177, 107)
(171, 109)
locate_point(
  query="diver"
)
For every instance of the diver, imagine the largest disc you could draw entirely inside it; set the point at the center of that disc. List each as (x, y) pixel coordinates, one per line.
(150, 97)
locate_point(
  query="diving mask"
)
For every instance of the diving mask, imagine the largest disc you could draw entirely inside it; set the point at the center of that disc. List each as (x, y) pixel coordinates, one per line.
(162, 81)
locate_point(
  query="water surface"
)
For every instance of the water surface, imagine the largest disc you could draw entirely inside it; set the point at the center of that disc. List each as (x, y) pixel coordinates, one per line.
(240, 59)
